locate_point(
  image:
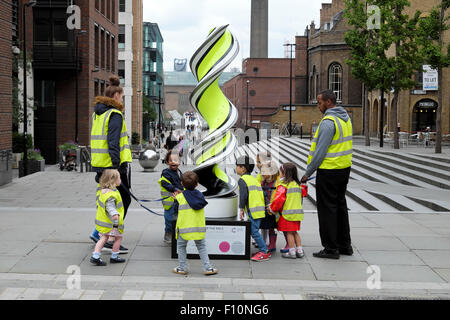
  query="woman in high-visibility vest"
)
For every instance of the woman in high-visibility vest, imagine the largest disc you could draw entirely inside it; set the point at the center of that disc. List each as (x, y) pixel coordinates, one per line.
(288, 203)
(110, 148)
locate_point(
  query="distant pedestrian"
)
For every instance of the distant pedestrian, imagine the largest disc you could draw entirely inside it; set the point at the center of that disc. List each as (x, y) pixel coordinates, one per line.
(109, 218)
(288, 203)
(331, 155)
(191, 225)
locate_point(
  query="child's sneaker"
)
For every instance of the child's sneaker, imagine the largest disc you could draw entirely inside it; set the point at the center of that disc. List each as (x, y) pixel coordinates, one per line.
(300, 254)
(178, 270)
(168, 238)
(285, 249)
(261, 256)
(289, 255)
(210, 271)
(97, 262)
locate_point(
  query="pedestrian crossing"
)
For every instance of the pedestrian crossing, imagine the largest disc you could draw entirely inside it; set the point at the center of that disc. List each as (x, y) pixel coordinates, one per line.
(379, 181)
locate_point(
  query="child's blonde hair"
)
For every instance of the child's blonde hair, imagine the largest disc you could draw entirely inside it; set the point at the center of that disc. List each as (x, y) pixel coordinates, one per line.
(270, 168)
(109, 178)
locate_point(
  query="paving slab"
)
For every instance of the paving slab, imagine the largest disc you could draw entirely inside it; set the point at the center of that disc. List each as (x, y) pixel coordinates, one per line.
(435, 258)
(378, 243)
(402, 273)
(385, 257)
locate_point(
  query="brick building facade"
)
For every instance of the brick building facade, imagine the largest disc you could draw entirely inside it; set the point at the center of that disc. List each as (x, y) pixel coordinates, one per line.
(5, 91)
(416, 108)
(56, 66)
(268, 89)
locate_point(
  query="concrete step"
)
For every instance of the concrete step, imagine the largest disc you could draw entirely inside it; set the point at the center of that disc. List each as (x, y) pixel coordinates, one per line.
(382, 170)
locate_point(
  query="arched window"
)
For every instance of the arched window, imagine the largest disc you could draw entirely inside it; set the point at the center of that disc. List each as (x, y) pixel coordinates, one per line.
(335, 80)
(313, 85)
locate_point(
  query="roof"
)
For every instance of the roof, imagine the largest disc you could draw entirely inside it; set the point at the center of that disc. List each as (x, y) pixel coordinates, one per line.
(174, 78)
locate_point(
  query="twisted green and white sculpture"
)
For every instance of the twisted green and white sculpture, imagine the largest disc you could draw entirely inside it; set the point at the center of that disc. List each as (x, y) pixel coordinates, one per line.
(207, 64)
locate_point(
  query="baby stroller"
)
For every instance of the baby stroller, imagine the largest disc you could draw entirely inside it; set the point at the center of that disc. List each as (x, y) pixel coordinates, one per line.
(68, 160)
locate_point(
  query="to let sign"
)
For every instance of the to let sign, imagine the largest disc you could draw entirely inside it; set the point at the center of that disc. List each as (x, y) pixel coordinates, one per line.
(430, 78)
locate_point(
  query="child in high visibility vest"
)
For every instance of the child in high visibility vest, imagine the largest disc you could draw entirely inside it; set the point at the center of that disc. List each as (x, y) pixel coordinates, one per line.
(191, 223)
(288, 203)
(251, 199)
(170, 183)
(269, 182)
(109, 218)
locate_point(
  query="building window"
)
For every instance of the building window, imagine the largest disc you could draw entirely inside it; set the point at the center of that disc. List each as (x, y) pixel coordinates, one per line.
(113, 54)
(335, 80)
(121, 37)
(96, 88)
(108, 52)
(313, 80)
(113, 11)
(97, 46)
(97, 5)
(108, 9)
(121, 5)
(121, 71)
(102, 46)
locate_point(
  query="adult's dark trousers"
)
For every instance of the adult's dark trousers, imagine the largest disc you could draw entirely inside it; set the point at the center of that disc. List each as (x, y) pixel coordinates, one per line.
(334, 227)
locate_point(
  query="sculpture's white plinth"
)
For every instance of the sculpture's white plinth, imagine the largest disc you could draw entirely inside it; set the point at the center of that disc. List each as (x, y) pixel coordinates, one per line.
(222, 207)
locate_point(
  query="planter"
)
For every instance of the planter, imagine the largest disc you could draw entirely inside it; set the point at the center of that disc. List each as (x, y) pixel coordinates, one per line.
(33, 166)
(15, 160)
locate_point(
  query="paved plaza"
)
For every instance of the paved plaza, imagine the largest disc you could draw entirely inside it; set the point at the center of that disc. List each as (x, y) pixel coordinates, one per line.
(398, 238)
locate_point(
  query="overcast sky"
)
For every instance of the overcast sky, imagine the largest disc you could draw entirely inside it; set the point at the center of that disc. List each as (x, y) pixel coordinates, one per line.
(184, 24)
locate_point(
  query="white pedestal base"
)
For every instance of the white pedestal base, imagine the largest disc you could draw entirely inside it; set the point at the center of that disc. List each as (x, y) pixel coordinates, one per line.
(222, 207)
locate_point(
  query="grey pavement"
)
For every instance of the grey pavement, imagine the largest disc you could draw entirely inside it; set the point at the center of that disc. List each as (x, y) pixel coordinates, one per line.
(46, 219)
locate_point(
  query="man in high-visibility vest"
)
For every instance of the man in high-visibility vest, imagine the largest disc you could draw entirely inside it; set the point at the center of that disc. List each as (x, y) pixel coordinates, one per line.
(331, 156)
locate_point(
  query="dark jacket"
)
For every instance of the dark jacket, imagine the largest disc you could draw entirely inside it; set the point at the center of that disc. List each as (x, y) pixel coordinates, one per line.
(102, 105)
(175, 180)
(194, 198)
(243, 194)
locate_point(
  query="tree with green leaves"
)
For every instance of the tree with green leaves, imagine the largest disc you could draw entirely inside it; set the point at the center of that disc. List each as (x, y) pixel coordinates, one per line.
(400, 31)
(367, 52)
(431, 33)
(396, 32)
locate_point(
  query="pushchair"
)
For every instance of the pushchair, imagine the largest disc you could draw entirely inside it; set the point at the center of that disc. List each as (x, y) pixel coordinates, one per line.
(68, 160)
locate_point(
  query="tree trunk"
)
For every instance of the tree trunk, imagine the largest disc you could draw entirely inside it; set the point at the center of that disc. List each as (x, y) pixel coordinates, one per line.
(366, 116)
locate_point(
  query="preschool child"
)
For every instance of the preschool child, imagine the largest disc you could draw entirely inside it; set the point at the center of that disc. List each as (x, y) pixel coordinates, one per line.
(288, 203)
(170, 183)
(109, 218)
(191, 225)
(251, 199)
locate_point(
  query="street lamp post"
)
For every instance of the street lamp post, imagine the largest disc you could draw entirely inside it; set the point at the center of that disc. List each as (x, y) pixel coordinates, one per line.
(246, 110)
(159, 107)
(81, 32)
(290, 86)
(31, 3)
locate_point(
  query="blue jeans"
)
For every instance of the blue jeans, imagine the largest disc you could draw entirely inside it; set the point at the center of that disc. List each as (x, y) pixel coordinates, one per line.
(256, 235)
(168, 218)
(201, 248)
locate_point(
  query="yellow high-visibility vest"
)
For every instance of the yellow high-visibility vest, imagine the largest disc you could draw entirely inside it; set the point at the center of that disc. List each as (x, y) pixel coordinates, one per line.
(167, 203)
(339, 152)
(103, 223)
(256, 203)
(190, 223)
(292, 208)
(99, 141)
